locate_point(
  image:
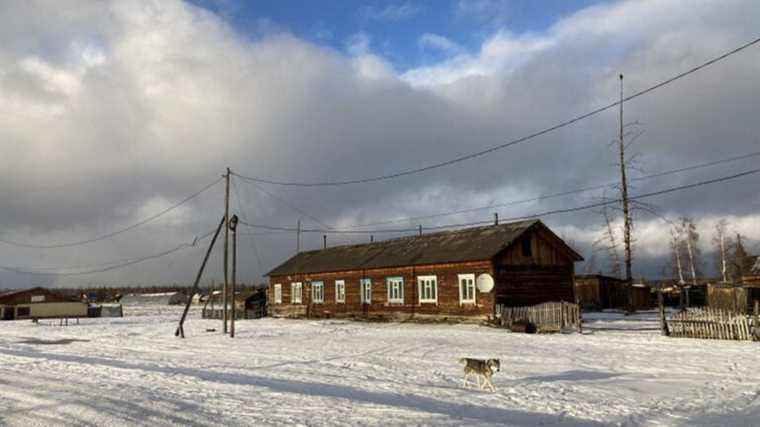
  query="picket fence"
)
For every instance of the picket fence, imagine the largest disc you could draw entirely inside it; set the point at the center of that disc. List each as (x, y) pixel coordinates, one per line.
(547, 317)
(712, 323)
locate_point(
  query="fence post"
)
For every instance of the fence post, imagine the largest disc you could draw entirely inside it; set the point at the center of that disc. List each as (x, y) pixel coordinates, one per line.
(663, 322)
(756, 322)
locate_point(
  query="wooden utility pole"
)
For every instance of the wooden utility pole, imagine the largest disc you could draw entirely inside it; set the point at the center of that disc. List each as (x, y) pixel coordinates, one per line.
(226, 248)
(626, 210)
(233, 227)
(180, 332)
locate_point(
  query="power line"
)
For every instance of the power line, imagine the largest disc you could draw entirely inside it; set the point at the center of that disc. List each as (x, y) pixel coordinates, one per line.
(108, 264)
(117, 232)
(510, 143)
(516, 218)
(555, 195)
(290, 205)
(254, 246)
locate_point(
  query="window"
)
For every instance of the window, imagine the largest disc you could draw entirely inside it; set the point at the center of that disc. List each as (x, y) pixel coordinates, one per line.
(527, 250)
(466, 289)
(340, 291)
(395, 289)
(278, 293)
(317, 292)
(38, 298)
(428, 288)
(366, 291)
(295, 293)
(22, 312)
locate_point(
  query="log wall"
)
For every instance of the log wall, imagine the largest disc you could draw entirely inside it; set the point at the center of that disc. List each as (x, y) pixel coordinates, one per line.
(448, 293)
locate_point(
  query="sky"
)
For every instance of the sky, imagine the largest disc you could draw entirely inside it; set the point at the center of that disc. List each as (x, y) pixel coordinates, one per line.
(114, 111)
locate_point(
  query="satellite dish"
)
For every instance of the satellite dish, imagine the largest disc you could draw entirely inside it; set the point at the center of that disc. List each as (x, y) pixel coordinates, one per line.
(484, 283)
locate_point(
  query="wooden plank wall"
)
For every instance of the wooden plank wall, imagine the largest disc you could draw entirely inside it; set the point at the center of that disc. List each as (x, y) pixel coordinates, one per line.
(448, 292)
(548, 317)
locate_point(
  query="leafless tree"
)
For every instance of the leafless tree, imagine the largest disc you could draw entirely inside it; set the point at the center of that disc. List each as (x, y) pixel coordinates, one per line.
(723, 245)
(608, 243)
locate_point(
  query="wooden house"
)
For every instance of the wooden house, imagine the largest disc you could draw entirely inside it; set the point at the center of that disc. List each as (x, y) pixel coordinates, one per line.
(39, 303)
(600, 292)
(430, 275)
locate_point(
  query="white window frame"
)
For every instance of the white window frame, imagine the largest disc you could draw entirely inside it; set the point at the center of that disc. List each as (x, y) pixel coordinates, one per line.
(462, 284)
(318, 292)
(293, 287)
(340, 291)
(395, 288)
(427, 299)
(278, 293)
(364, 286)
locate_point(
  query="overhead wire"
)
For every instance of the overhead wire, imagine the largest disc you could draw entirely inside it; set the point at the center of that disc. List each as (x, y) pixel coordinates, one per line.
(254, 246)
(515, 218)
(114, 233)
(107, 265)
(512, 142)
(551, 195)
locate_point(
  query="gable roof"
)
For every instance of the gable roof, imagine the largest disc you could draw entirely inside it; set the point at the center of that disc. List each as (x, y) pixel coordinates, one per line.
(8, 296)
(469, 244)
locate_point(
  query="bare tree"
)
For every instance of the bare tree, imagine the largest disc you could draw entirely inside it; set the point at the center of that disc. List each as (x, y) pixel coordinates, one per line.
(691, 237)
(722, 245)
(608, 243)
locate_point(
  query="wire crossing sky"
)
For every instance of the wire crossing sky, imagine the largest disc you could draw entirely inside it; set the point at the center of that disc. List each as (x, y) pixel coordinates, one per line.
(513, 142)
(114, 132)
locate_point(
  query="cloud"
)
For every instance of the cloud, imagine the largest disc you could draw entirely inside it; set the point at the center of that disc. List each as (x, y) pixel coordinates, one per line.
(438, 42)
(113, 110)
(500, 54)
(490, 11)
(358, 44)
(392, 12)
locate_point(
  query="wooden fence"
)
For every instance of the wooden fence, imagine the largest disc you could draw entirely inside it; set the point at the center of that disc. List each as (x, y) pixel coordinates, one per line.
(711, 323)
(547, 317)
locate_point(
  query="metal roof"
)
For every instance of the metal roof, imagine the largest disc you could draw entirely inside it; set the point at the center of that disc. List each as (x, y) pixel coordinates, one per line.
(469, 244)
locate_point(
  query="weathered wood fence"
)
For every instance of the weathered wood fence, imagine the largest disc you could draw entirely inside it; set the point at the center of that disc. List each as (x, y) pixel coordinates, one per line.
(547, 317)
(711, 323)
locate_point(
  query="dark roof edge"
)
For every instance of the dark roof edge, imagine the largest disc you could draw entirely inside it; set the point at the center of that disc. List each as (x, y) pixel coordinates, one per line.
(380, 268)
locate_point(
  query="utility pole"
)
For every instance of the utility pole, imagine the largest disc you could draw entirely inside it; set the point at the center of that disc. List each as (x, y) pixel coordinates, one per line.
(180, 329)
(233, 227)
(626, 209)
(226, 248)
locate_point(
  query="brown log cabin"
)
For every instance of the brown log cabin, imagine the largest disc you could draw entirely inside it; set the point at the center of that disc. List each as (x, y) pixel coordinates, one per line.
(430, 275)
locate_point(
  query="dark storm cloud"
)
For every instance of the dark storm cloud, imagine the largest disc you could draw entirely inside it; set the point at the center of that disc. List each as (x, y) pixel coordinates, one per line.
(113, 111)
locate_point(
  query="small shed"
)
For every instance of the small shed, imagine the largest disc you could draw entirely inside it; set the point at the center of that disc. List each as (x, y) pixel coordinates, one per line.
(249, 304)
(39, 303)
(600, 292)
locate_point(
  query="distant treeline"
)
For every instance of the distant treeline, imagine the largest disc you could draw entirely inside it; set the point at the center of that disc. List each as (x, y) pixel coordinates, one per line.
(108, 293)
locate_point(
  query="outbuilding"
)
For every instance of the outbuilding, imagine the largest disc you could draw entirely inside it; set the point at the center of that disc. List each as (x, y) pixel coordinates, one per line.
(39, 303)
(600, 292)
(430, 275)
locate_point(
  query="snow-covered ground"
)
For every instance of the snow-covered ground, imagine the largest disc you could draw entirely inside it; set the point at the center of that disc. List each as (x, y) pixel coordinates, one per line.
(134, 371)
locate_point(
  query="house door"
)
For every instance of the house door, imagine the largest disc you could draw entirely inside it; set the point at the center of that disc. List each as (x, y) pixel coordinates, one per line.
(8, 313)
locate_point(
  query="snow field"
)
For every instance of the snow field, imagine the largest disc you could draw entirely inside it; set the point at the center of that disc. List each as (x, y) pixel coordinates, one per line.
(133, 371)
